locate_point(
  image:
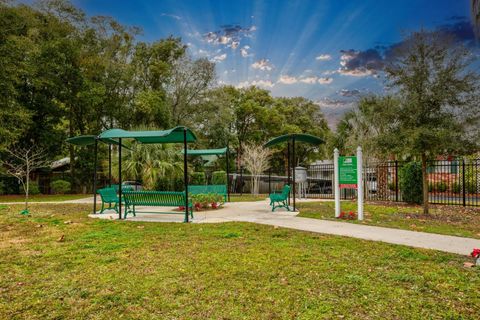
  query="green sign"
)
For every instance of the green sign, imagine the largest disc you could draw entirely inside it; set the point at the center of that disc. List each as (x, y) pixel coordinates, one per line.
(347, 172)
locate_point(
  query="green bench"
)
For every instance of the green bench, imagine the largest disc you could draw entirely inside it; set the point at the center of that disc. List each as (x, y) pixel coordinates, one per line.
(206, 189)
(109, 196)
(154, 199)
(280, 198)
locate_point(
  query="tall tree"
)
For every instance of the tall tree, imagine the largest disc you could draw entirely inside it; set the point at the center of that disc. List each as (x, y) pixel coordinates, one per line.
(439, 109)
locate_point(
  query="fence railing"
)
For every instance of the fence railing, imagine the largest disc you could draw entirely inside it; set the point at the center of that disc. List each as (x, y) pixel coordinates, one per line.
(451, 182)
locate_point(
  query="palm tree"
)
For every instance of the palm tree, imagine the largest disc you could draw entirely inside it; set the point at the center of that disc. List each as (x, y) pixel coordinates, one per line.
(150, 163)
(475, 11)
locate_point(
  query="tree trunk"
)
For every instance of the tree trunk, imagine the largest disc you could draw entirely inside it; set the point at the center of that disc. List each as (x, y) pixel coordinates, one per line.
(27, 187)
(425, 183)
(72, 151)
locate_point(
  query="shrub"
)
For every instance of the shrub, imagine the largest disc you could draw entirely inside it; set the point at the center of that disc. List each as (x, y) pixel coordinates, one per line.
(198, 178)
(471, 186)
(33, 188)
(60, 186)
(219, 177)
(411, 182)
(456, 187)
(441, 186)
(392, 186)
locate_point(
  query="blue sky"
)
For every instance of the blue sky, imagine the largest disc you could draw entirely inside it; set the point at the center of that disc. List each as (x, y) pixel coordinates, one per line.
(325, 50)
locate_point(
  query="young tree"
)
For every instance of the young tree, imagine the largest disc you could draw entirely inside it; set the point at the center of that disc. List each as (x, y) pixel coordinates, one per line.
(256, 159)
(438, 112)
(21, 164)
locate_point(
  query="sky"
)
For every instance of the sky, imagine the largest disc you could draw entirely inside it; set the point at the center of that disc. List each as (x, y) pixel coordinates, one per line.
(330, 51)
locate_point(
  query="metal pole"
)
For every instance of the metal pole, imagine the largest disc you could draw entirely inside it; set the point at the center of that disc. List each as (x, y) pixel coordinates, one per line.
(336, 183)
(360, 182)
(185, 172)
(269, 180)
(241, 180)
(120, 178)
(95, 177)
(463, 182)
(396, 180)
(293, 172)
(109, 165)
(288, 168)
(228, 172)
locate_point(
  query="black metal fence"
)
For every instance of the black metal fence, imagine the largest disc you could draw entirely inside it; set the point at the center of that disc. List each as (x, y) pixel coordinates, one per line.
(451, 182)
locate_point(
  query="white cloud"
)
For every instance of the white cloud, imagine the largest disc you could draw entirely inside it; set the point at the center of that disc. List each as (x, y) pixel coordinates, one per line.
(169, 15)
(360, 72)
(309, 80)
(244, 51)
(263, 64)
(324, 57)
(219, 58)
(235, 44)
(285, 79)
(258, 83)
(325, 80)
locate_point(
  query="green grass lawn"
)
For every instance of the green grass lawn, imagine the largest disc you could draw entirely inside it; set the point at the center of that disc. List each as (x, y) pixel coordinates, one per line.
(450, 220)
(59, 264)
(43, 197)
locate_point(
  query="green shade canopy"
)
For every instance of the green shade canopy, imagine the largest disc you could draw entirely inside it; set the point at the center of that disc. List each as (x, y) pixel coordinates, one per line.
(174, 135)
(87, 140)
(206, 152)
(298, 137)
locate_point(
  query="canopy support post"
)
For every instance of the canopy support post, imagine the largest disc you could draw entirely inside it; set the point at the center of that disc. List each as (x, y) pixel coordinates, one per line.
(95, 177)
(185, 173)
(293, 172)
(288, 169)
(228, 173)
(119, 178)
(110, 165)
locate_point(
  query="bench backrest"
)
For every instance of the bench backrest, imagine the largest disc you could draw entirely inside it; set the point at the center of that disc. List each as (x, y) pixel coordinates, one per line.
(154, 198)
(285, 191)
(213, 188)
(108, 194)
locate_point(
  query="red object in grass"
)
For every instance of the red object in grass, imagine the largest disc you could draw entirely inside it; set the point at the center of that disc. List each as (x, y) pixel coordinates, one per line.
(181, 208)
(350, 215)
(214, 205)
(475, 253)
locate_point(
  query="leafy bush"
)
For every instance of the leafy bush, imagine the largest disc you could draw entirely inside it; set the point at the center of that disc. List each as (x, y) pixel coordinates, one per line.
(441, 186)
(471, 186)
(219, 177)
(198, 178)
(205, 200)
(33, 189)
(456, 187)
(411, 182)
(60, 186)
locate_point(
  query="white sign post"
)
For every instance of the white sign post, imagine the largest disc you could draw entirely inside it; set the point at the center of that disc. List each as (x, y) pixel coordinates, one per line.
(360, 182)
(336, 192)
(350, 180)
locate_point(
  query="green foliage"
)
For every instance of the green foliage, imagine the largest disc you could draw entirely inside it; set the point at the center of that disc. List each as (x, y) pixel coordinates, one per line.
(33, 189)
(410, 182)
(441, 186)
(198, 178)
(205, 200)
(60, 186)
(456, 187)
(219, 177)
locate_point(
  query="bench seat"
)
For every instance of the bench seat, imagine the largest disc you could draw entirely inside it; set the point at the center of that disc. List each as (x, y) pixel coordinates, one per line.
(154, 199)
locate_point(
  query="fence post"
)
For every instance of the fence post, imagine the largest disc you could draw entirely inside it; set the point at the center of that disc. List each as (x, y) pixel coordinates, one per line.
(396, 180)
(463, 182)
(269, 180)
(336, 154)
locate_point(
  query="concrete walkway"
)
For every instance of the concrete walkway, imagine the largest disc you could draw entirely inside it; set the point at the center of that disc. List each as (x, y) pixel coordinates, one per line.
(258, 212)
